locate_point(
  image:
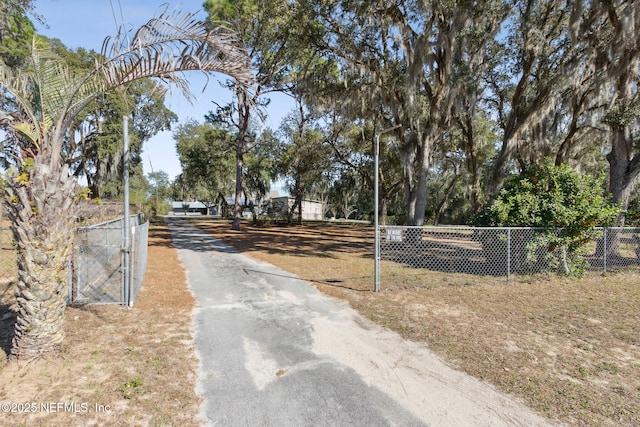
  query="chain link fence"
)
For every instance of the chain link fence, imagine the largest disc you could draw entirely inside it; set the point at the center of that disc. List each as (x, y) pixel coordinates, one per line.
(97, 274)
(98, 271)
(502, 252)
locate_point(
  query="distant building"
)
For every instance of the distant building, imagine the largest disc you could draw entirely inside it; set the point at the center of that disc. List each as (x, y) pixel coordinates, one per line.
(190, 208)
(311, 210)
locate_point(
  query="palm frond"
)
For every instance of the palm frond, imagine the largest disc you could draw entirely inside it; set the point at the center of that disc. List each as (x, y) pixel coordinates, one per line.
(170, 44)
(20, 86)
(41, 94)
(51, 80)
(49, 95)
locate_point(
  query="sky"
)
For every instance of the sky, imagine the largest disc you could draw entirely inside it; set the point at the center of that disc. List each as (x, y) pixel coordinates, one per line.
(86, 23)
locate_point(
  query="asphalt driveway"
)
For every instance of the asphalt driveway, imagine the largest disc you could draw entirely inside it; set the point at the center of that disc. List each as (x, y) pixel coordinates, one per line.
(274, 351)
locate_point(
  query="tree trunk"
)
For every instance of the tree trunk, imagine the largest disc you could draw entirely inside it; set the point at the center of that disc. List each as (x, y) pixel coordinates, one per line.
(244, 116)
(442, 203)
(297, 201)
(383, 211)
(411, 203)
(42, 208)
(473, 165)
(408, 173)
(419, 192)
(237, 207)
(623, 171)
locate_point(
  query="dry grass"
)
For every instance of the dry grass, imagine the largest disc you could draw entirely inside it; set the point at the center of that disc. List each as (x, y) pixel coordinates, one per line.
(569, 347)
(138, 362)
(8, 267)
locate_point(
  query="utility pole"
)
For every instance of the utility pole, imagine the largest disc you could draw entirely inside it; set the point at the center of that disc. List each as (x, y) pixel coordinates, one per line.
(376, 264)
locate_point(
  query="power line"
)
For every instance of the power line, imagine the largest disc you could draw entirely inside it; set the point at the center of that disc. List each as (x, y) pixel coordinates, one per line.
(121, 14)
(113, 12)
(115, 18)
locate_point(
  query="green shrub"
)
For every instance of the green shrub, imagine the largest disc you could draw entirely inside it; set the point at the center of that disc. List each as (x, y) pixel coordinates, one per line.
(153, 207)
(557, 198)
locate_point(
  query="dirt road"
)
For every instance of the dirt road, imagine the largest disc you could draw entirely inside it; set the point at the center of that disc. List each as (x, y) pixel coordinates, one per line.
(276, 352)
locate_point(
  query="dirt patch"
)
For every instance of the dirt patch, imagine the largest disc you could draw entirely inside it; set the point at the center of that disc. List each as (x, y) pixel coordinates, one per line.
(119, 366)
(569, 347)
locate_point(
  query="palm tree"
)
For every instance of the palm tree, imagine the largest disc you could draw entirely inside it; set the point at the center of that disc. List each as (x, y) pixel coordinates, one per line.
(40, 193)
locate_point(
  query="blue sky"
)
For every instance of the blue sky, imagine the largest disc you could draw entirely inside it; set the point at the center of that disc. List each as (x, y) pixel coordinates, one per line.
(86, 23)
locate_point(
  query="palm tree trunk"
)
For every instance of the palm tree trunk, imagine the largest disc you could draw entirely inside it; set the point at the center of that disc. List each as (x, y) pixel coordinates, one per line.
(42, 204)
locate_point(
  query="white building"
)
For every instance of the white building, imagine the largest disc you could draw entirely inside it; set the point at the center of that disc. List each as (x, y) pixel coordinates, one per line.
(189, 208)
(311, 210)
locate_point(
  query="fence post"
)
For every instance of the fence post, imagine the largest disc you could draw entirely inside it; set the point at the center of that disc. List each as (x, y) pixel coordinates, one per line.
(376, 255)
(133, 266)
(604, 254)
(126, 245)
(376, 225)
(508, 255)
(70, 295)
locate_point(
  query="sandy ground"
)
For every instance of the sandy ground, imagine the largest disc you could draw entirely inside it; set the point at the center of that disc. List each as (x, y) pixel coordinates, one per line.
(288, 345)
(416, 378)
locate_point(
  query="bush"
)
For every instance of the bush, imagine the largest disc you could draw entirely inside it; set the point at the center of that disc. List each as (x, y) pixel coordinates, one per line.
(557, 198)
(153, 207)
